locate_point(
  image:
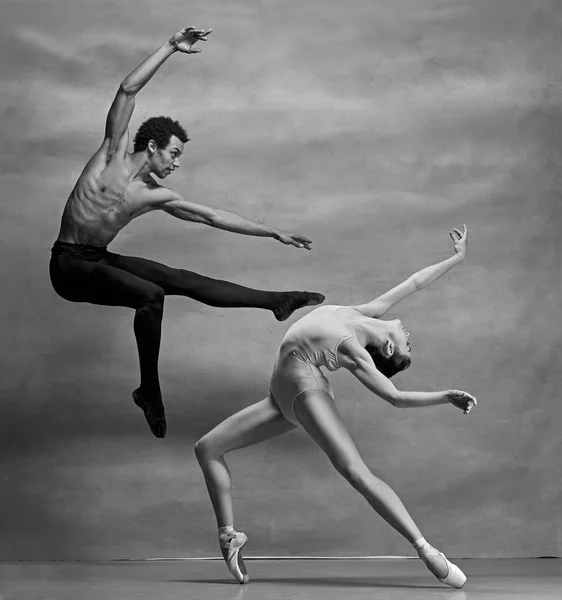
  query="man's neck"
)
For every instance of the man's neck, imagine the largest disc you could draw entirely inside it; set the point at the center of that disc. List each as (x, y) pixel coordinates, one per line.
(139, 165)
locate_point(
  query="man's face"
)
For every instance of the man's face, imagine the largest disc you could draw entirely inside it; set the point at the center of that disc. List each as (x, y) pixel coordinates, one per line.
(166, 160)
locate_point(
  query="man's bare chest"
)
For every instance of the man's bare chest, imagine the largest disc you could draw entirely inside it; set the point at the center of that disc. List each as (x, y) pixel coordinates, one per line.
(114, 187)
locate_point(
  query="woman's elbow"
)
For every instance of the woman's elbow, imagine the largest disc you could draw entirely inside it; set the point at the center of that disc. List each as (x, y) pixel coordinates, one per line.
(416, 283)
(205, 219)
(395, 398)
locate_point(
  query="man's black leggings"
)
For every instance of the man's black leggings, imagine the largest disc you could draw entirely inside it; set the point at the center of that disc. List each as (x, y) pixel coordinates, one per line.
(82, 273)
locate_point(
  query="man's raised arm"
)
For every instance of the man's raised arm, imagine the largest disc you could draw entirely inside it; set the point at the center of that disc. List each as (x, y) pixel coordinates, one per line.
(124, 103)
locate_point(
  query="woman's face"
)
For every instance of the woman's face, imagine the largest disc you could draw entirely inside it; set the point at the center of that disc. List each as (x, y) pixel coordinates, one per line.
(400, 337)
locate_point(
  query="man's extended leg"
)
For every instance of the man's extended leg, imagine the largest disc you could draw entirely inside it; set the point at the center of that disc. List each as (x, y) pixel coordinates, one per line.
(214, 292)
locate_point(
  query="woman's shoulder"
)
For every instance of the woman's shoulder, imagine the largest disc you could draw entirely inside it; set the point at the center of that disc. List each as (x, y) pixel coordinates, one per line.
(337, 308)
(348, 313)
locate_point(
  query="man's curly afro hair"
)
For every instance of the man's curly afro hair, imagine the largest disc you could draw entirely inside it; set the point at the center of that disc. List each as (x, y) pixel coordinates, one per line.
(160, 129)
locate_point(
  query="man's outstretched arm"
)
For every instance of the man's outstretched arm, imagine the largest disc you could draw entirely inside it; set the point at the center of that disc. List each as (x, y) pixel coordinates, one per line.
(176, 205)
(124, 103)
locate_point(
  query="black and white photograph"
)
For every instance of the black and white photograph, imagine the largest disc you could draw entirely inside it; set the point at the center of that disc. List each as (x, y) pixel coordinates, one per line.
(281, 304)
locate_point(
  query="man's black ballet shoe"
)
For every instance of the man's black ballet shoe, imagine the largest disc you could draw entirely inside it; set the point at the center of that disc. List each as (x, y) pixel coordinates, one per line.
(157, 424)
(295, 300)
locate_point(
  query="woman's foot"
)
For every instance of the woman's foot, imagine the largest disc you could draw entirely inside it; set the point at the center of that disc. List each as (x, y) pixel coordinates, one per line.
(231, 547)
(437, 563)
(291, 301)
(153, 413)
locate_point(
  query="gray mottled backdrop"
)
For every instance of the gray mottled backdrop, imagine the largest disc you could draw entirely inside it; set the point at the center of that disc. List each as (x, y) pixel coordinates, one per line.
(372, 126)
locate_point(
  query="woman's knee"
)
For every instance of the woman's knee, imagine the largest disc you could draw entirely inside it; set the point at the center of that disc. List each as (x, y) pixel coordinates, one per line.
(205, 449)
(200, 448)
(356, 473)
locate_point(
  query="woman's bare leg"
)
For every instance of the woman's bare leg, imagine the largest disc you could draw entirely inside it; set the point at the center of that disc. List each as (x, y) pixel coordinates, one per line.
(316, 412)
(252, 425)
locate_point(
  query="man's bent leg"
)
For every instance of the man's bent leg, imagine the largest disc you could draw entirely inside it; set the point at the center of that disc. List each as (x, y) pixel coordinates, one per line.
(214, 292)
(95, 282)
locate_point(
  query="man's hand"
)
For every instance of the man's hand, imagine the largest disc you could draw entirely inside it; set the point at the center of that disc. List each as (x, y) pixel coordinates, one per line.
(184, 40)
(462, 400)
(293, 239)
(460, 240)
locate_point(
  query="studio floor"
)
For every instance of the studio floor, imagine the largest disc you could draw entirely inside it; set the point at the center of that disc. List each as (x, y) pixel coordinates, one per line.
(296, 579)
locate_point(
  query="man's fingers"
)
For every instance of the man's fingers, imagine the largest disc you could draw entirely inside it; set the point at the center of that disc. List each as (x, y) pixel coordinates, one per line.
(200, 34)
(300, 238)
(457, 231)
(300, 244)
(298, 241)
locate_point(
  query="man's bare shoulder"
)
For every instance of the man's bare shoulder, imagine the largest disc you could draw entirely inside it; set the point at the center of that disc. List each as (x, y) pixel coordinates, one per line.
(149, 187)
(147, 192)
(151, 183)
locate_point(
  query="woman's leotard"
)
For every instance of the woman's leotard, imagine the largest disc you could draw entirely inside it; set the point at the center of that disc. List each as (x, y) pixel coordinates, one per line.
(310, 343)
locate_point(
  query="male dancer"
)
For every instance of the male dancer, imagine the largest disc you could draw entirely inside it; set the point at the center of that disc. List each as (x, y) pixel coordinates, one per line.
(117, 186)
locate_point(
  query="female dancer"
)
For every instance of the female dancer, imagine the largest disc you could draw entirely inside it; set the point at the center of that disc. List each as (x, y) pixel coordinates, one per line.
(373, 350)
